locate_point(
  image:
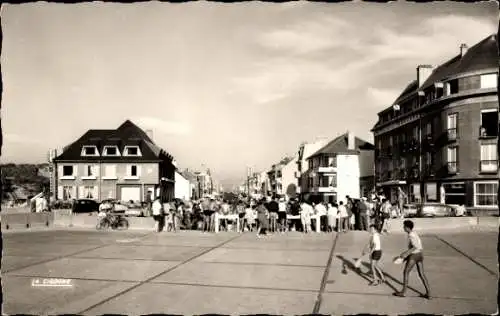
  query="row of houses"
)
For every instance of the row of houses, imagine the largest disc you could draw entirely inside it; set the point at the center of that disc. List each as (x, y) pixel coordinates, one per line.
(123, 164)
(321, 170)
(438, 142)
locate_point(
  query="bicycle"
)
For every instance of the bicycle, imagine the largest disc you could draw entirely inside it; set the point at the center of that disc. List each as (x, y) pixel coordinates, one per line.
(113, 222)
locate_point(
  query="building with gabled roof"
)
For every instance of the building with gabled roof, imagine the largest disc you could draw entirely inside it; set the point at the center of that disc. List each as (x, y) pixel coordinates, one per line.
(344, 166)
(438, 140)
(123, 164)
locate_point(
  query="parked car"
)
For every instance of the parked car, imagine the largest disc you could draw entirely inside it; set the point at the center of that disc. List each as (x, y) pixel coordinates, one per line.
(410, 210)
(85, 206)
(435, 210)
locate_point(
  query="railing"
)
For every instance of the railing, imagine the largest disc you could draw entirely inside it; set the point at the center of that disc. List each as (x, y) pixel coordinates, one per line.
(488, 166)
(452, 167)
(452, 134)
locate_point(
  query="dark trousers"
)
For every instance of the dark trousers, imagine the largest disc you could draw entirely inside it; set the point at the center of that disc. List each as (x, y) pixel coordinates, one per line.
(363, 221)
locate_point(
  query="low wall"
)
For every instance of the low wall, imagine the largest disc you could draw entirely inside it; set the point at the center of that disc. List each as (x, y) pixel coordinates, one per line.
(26, 220)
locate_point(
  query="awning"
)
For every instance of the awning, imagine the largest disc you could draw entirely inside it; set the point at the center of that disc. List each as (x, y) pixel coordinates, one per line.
(392, 182)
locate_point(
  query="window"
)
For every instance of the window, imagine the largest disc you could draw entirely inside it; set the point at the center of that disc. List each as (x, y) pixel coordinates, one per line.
(310, 164)
(88, 192)
(431, 191)
(133, 171)
(278, 174)
(68, 171)
(428, 129)
(486, 193)
(415, 195)
(489, 81)
(89, 172)
(453, 85)
(415, 132)
(452, 159)
(452, 126)
(111, 151)
(310, 182)
(333, 180)
(90, 151)
(132, 151)
(489, 158)
(68, 193)
(109, 172)
(489, 123)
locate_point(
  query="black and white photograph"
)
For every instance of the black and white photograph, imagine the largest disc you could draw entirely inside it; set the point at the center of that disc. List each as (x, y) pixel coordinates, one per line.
(236, 158)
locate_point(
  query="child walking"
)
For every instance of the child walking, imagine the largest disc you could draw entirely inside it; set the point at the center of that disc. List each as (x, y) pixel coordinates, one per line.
(413, 257)
(374, 247)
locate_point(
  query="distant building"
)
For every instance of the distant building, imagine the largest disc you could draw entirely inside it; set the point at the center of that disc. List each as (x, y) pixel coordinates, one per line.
(438, 140)
(305, 151)
(342, 167)
(183, 187)
(122, 164)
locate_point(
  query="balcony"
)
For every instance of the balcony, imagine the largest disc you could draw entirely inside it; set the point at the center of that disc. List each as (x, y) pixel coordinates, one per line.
(451, 134)
(429, 140)
(429, 171)
(488, 166)
(452, 167)
(324, 169)
(330, 189)
(413, 145)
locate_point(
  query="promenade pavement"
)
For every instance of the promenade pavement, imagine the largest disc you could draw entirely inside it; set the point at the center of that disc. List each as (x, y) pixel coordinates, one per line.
(193, 273)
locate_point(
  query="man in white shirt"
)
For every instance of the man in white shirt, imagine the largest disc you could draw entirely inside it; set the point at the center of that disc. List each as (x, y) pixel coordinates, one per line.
(305, 216)
(413, 256)
(282, 215)
(157, 214)
(321, 212)
(344, 218)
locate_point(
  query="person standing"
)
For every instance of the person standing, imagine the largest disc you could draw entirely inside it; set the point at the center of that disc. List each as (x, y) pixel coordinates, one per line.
(363, 214)
(148, 204)
(385, 214)
(158, 215)
(322, 218)
(332, 213)
(263, 217)
(282, 215)
(413, 257)
(401, 201)
(295, 211)
(344, 218)
(305, 216)
(349, 206)
(273, 209)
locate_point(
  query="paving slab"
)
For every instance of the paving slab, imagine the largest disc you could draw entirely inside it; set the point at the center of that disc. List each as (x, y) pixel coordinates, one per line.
(196, 300)
(245, 275)
(185, 240)
(20, 297)
(259, 256)
(10, 263)
(143, 252)
(97, 269)
(339, 304)
(44, 249)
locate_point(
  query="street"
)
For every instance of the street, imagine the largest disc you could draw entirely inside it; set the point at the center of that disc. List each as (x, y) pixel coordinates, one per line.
(228, 273)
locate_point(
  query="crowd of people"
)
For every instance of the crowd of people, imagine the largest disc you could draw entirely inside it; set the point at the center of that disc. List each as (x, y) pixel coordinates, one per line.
(274, 215)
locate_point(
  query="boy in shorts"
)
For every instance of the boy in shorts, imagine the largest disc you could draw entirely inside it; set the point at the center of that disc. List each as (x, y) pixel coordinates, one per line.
(374, 246)
(413, 256)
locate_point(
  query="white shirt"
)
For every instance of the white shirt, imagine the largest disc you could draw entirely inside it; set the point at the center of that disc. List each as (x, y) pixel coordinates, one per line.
(282, 207)
(332, 211)
(156, 207)
(375, 242)
(343, 211)
(320, 209)
(307, 210)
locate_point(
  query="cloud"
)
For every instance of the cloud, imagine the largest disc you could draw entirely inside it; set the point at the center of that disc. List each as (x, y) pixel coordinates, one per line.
(382, 97)
(21, 139)
(163, 126)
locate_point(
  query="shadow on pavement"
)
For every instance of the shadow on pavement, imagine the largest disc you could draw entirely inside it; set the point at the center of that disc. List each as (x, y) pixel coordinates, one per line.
(348, 264)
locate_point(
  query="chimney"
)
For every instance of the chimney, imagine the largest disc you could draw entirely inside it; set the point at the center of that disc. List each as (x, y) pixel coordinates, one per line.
(463, 49)
(350, 141)
(149, 132)
(423, 73)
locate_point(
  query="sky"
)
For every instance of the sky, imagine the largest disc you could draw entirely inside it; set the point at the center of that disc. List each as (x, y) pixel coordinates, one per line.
(224, 85)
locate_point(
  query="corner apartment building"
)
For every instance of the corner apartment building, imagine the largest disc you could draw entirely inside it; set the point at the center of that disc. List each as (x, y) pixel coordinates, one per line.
(122, 164)
(438, 140)
(342, 167)
(306, 149)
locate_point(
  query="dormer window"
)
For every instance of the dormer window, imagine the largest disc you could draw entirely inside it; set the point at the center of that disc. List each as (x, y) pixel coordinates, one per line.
(90, 151)
(111, 151)
(132, 151)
